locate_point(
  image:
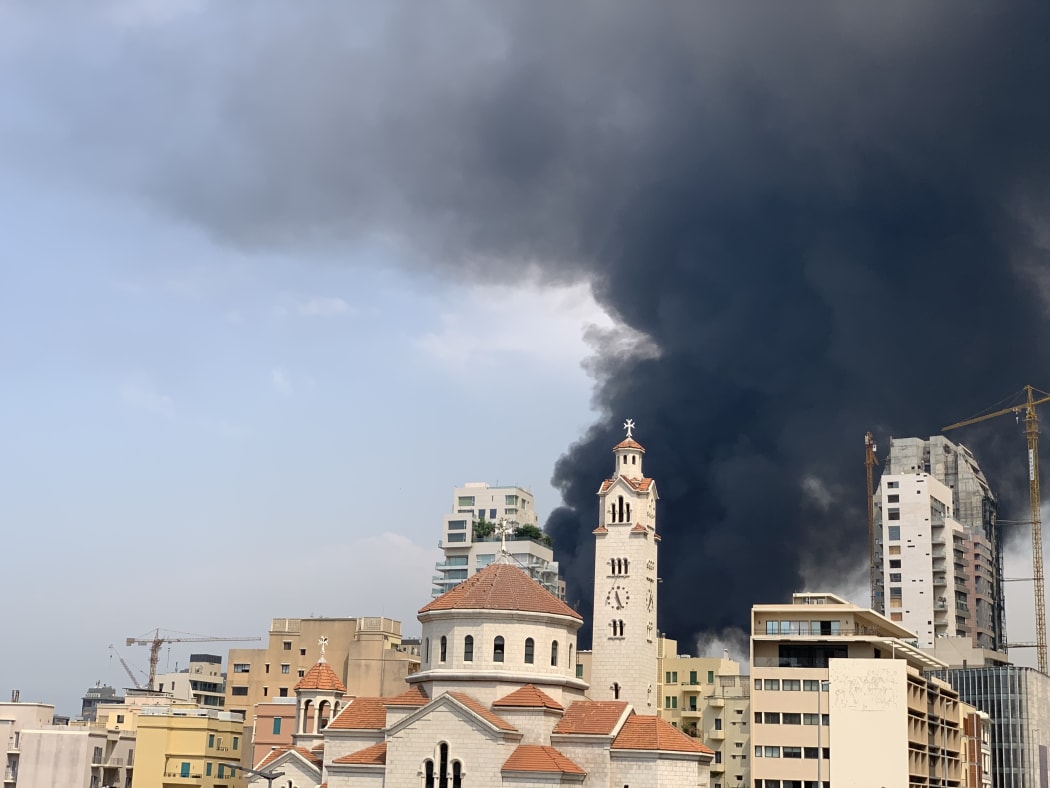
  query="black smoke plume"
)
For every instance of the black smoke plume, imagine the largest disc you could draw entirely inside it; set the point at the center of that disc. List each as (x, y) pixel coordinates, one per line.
(824, 219)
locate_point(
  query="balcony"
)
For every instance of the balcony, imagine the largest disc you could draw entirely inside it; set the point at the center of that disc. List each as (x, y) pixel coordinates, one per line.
(716, 702)
(692, 711)
(715, 735)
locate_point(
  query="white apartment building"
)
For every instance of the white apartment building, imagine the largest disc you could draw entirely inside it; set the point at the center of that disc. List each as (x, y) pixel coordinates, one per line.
(839, 700)
(924, 558)
(470, 543)
(967, 498)
(203, 682)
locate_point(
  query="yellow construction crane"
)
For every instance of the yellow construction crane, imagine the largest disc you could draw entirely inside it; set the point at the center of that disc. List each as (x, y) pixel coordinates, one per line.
(1031, 428)
(155, 640)
(870, 461)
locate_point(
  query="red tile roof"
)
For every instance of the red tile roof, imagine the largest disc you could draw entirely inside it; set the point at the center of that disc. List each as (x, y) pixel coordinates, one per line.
(369, 756)
(641, 485)
(534, 758)
(601, 529)
(320, 677)
(630, 443)
(529, 697)
(639, 529)
(274, 754)
(501, 587)
(363, 714)
(594, 717)
(643, 732)
(413, 696)
(482, 711)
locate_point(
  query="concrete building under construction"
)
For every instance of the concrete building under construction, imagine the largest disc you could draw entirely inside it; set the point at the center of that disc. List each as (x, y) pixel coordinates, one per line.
(938, 546)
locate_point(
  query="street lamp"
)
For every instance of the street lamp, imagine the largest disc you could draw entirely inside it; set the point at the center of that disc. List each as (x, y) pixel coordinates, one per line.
(268, 776)
(824, 686)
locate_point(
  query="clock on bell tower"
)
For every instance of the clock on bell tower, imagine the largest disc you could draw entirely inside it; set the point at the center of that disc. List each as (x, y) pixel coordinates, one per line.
(623, 662)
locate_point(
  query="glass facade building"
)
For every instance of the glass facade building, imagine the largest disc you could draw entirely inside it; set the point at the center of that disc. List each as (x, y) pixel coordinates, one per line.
(1018, 701)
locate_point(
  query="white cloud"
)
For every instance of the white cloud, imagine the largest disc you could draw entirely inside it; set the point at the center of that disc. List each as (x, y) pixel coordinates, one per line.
(141, 394)
(280, 381)
(547, 325)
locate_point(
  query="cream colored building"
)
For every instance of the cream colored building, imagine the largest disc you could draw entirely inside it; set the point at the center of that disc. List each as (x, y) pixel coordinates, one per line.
(83, 756)
(365, 653)
(189, 747)
(839, 698)
(708, 698)
(466, 550)
(202, 682)
(16, 717)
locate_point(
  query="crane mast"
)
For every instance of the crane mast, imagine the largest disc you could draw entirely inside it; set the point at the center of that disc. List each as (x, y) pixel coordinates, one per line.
(870, 461)
(1031, 428)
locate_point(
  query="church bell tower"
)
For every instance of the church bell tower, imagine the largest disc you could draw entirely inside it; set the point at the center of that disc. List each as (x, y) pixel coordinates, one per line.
(624, 658)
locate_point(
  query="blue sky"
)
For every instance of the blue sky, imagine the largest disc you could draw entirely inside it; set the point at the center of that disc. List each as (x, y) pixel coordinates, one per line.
(182, 418)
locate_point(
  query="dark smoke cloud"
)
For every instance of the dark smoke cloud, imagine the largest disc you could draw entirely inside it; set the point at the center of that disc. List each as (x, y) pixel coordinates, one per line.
(825, 218)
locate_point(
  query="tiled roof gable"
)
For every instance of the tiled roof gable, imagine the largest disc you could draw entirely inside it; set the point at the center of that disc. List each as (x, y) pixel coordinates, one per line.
(369, 756)
(591, 717)
(274, 754)
(529, 697)
(641, 485)
(321, 677)
(360, 715)
(482, 711)
(413, 696)
(644, 732)
(535, 758)
(501, 587)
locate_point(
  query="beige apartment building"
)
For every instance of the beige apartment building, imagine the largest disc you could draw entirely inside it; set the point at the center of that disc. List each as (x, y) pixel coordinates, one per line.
(708, 699)
(839, 699)
(366, 653)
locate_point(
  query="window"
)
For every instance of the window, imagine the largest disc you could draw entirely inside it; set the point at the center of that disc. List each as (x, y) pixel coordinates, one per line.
(276, 726)
(457, 537)
(468, 648)
(893, 514)
(671, 677)
(457, 525)
(895, 549)
(236, 742)
(811, 685)
(554, 654)
(791, 685)
(893, 533)
(493, 514)
(893, 498)
(718, 723)
(530, 651)
(792, 752)
(207, 769)
(184, 771)
(809, 752)
(241, 667)
(772, 627)
(772, 752)
(239, 691)
(222, 772)
(301, 672)
(791, 718)
(286, 668)
(497, 649)
(465, 500)
(282, 692)
(810, 719)
(895, 577)
(302, 652)
(758, 684)
(211, 739)
(120, 718)
(426, 650)
(287, 645)
(771, 718)
(579, 671)
(893, 485)
(771, 684)
(444, 648)
(825, 720)
(510, 500)
(758, 718)
(267, 668)
(895, 563)
(710, 677)
(617, 628)
(896, 616)
(692, 677)
(97, 756)
(670, 702)
(758, 753)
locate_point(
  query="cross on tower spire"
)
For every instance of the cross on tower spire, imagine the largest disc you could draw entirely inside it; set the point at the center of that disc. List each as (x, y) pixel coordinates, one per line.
(629, 426)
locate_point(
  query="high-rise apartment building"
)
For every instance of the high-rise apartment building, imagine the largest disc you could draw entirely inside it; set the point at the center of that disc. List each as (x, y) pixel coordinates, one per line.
(938, 545)
(839, 699)
(203, 682)
(471, 541)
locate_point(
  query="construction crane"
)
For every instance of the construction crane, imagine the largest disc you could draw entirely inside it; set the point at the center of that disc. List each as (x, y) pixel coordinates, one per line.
(870, 461)
(155, 640)
(127, 668)
(1031, 428)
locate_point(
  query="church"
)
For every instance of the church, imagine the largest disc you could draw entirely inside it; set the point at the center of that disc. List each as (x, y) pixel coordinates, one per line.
(497, 701)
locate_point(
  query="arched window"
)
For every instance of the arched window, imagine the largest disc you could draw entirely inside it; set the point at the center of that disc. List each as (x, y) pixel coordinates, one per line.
(457, 774)
(628, 513)
(444, 648)
(497, 649)
(554, 654)
(626, 566)
(468, 648)
(426, 650)
(620, 513)
(428, 773)
(571, 663)
(443, 773)
(625, 459)
(634, 459)
(530, 651)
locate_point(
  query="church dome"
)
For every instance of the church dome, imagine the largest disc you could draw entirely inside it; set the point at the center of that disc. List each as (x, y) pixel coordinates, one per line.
(501, 587)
